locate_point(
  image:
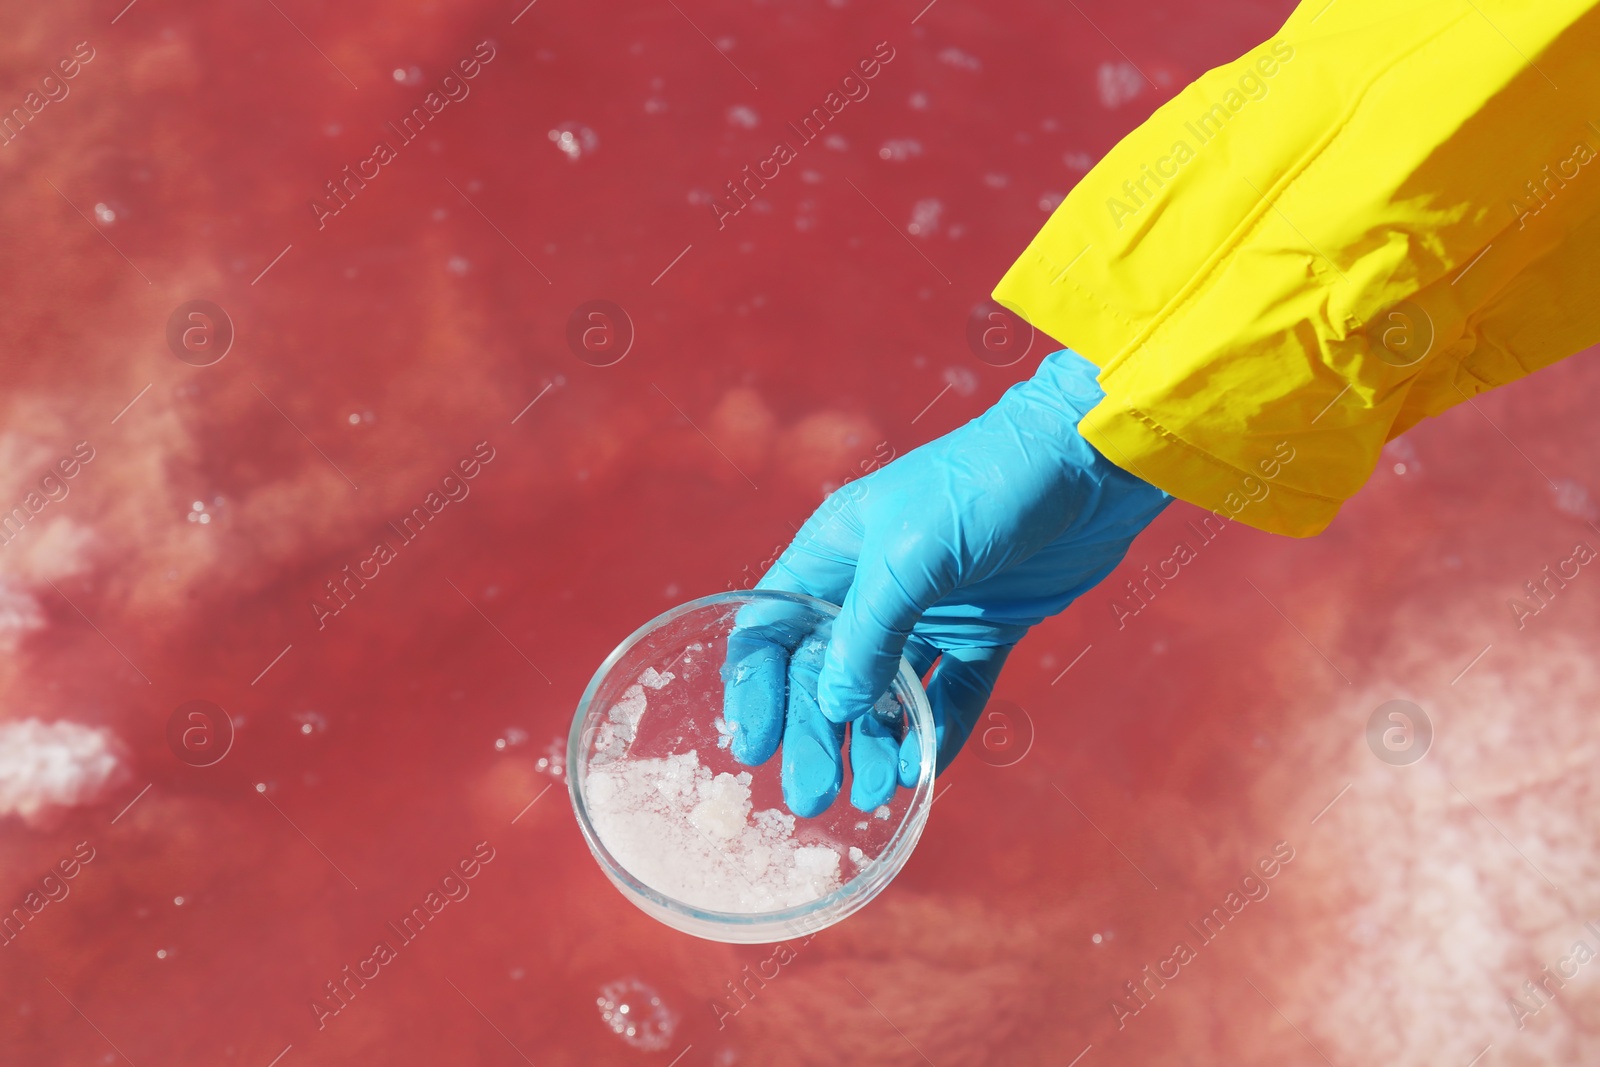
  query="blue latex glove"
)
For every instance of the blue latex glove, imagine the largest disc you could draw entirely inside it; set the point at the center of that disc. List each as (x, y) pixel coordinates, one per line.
(947, 554)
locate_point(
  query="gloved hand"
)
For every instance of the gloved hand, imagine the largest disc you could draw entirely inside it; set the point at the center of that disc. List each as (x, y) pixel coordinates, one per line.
(947, 554)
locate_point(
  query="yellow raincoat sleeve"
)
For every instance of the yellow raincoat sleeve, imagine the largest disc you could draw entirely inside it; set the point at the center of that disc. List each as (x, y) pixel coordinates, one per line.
(1390, 206)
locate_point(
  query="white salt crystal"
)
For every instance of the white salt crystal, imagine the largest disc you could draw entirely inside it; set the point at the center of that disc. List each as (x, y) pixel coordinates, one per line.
(630, 709)
(774, 822)
(655, 679)
(817, 862)
(695, 837)
(613, 737)
(721, 815)
(601, 788)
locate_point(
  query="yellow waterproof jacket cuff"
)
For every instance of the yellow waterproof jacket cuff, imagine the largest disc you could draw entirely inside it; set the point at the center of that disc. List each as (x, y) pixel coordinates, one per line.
(1374, 215)
(1258, 496)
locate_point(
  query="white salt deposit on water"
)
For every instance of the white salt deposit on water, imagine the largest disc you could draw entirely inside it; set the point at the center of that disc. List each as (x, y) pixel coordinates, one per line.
(694, 836)
(62, 764)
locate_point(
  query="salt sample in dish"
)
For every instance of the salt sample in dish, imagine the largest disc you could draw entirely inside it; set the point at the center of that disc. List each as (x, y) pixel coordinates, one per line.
(696, 837)
(699, 840)
(693, 834)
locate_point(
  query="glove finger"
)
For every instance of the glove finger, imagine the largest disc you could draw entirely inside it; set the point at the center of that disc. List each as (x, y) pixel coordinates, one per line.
(755, 683)
(957, 692)
(755, 675)
(756, 672)
(813, 762)
(874, 760)
(885, 601)
(875, 740)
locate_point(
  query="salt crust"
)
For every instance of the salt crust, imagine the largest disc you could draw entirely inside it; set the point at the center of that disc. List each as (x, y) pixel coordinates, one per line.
(695, 837)
(49, 765)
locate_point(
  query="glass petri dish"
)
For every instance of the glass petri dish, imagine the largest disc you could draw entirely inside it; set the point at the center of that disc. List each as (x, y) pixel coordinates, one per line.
(695, 838)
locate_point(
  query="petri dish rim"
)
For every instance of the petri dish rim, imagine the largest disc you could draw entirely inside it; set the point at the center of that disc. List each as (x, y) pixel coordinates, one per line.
(746, 927)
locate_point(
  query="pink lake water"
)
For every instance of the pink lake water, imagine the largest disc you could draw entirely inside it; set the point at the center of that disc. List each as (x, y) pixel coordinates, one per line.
(402, 738)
